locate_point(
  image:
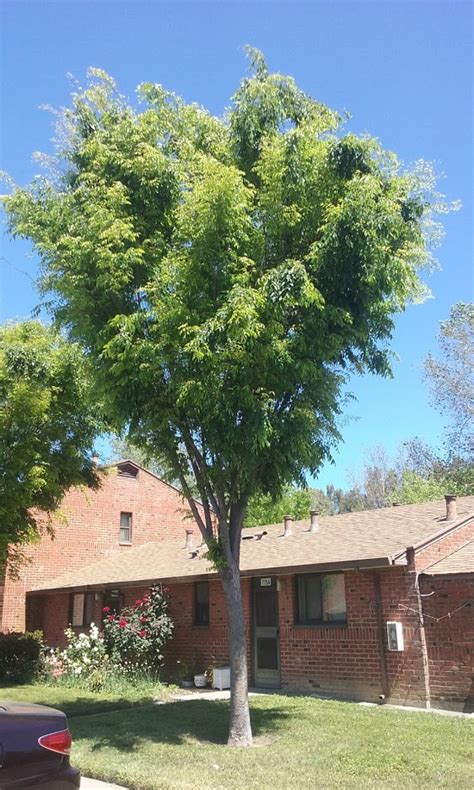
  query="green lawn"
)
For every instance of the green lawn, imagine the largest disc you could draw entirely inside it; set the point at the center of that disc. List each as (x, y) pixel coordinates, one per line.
(300, 743)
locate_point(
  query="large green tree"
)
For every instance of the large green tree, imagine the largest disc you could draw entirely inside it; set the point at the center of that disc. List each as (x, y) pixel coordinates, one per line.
(225, 275)
(47, 428)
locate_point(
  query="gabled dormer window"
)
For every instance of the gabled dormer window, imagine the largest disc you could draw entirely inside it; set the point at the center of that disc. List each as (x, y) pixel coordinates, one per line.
(125, 535)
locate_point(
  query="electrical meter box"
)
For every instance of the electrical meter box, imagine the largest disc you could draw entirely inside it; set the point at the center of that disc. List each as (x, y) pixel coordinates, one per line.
(394, 635)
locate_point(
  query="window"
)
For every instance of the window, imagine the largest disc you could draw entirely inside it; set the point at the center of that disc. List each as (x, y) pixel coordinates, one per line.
(113, 599)
(81, 609)
(201, 607)
(320, 598)
(125, 527)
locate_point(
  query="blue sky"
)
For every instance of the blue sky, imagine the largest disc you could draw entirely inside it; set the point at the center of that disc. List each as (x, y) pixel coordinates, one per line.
(402, 69)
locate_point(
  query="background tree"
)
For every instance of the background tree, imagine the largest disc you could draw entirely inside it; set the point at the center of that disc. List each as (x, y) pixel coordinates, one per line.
(122, 449)
(419, 474)
(298, 502)
(225, 276)
(346, 501)
(451, 377)
(47, 428)
(427, 474)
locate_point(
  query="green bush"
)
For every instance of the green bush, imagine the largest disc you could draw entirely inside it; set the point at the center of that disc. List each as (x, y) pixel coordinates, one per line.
(21, 656)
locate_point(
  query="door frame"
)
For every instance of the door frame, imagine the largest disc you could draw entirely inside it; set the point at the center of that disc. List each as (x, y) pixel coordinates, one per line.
(256, 585)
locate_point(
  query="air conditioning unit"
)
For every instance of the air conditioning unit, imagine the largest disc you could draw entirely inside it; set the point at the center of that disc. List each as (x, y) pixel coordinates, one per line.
(221, 678)
(394, 635)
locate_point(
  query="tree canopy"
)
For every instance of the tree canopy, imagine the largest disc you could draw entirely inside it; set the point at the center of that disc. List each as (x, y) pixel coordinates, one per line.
(225, 275)
(450, 376)
(420, 473)
(47, 428)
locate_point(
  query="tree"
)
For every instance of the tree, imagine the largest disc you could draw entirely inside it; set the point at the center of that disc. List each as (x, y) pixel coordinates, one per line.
(346, 501)
(47, 428)
(373, 488)
(426, 474)
(122, 449)
(225, 276)
(451, 379)
(419, 474)
(298, 502)
(380, 478)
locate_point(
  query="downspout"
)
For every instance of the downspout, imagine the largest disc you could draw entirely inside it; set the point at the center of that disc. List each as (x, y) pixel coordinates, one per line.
(381, 640)
(424, 649)
(421, 621)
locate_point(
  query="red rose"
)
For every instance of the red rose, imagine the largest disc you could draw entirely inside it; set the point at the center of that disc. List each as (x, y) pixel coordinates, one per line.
(106, 609)
(122, 622)
(143, 619)
(142, 633)
(138, 602)
(111, 618)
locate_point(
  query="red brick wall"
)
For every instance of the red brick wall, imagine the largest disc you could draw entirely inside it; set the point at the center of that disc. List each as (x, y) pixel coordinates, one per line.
(348, 659)
(444, 546)
(87, 529)
(345, 660)
(206, 645)
(450, 640)
(332, 659)
(406, 680)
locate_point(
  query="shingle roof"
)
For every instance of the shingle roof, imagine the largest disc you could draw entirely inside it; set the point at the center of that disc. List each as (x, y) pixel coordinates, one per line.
(460, 561)
(368, 538)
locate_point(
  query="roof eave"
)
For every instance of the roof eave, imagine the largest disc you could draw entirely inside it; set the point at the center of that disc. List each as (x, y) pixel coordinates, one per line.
(284, 570)
(422, 544)
(455, 575)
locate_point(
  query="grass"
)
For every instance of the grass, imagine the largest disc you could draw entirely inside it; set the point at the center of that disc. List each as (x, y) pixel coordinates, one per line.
(300, 742)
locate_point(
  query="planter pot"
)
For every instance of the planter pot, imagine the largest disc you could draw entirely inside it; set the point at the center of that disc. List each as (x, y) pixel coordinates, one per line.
(187, 684)
(200, 681)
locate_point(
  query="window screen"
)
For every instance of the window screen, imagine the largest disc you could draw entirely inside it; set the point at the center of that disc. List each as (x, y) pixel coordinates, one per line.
(320, 598)
(82, 609)
(125, 527)
(201, 611)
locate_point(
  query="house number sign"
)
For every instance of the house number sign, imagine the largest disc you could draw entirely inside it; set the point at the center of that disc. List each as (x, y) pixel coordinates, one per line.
(266, 582)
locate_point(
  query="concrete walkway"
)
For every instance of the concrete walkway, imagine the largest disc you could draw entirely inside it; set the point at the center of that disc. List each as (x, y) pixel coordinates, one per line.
(94, 784)
(209, 694)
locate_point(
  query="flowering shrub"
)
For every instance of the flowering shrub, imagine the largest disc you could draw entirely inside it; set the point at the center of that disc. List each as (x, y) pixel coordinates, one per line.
(83, 659)
(135, 638)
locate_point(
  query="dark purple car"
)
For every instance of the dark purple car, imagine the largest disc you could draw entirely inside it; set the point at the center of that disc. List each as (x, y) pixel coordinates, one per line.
(34, 748)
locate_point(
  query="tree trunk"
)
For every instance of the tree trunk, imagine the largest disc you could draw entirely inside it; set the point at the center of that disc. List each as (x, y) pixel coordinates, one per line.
(240, 731)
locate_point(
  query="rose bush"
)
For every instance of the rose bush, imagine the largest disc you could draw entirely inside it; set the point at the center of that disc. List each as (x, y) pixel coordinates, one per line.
(134, 639)
(84, 660)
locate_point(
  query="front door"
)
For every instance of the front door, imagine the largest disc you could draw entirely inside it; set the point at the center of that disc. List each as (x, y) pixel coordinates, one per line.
(266, 641)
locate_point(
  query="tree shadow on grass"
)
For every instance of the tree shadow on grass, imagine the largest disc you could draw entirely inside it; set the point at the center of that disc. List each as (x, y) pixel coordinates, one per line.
(204, 721)
(78, 706)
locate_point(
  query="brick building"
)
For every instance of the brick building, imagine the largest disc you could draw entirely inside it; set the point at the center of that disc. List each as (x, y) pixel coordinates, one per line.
(368, 605)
